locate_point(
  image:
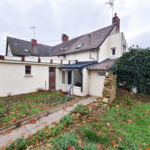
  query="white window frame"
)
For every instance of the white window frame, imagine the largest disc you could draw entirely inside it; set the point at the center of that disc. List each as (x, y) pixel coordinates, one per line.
(62, 77)
(101, 76)
(112, 51)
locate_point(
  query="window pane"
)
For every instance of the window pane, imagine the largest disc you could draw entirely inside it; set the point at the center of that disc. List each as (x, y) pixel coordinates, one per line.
(51, 70)
(113, 51)
(102, 73)
(63, 77)
(28, 70)
(124, 49)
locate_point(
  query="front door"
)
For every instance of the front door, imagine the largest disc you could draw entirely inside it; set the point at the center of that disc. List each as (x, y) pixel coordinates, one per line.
(52, 78)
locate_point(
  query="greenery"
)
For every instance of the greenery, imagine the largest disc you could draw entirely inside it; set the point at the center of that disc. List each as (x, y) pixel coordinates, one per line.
(22, 106)
(133, 67)
(80, 109)
(66, 120)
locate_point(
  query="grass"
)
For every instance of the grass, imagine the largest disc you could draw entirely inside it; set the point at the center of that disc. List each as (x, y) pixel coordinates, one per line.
(125, 125)
(21, 106)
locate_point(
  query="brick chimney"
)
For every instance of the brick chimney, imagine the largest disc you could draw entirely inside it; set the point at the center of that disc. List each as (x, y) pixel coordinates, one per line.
(34, 47)
(117, 21)
(15, 41)
(65, 38)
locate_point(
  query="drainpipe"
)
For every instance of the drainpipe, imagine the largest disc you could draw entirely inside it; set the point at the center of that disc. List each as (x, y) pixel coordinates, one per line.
(80, 71)
(97, 55)
(72, 83)
(90, 46)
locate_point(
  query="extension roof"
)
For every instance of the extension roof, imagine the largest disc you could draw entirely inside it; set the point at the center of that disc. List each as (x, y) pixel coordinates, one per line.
(96, 40)
(78, 65)
(21, 46)
(103, 65)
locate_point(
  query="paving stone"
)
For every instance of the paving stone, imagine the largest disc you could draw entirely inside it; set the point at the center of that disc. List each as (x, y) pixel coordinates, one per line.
(55, 116)
(17, 133)
(4, 139)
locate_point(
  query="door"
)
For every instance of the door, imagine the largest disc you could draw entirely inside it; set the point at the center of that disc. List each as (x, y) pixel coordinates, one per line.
(52, 78)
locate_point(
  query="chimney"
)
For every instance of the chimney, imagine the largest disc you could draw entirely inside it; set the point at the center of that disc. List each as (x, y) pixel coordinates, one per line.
(65, 38)
(34, 47)
(15, 42)
(117, 21)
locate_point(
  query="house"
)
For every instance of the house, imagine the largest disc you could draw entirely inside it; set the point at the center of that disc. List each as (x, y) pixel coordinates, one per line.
(82, 62)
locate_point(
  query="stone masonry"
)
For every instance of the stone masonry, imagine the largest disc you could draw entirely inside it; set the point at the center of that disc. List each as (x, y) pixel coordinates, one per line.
(109, 90)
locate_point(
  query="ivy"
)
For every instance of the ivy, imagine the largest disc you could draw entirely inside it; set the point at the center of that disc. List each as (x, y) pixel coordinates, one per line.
(134, 68)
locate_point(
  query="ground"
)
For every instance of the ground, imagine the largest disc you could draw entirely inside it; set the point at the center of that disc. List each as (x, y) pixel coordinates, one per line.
(13, 108)
(122, 125)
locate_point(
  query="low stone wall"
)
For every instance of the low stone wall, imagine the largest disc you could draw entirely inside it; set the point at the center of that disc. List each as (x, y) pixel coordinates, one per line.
(109, 90)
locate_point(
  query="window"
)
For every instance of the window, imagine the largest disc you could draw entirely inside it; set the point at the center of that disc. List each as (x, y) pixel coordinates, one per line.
(79, 46)
(124, 49)
(27, 69)
(61, 49)
(101, 74)
(113, 51)
(63, 77)
(51, 70)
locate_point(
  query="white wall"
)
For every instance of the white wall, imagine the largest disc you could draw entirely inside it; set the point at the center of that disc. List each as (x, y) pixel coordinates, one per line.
(13, 80)
(96, 84)
(9, 51)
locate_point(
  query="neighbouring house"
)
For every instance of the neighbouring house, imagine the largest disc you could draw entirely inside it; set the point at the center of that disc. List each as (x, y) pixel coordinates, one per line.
(81, 63)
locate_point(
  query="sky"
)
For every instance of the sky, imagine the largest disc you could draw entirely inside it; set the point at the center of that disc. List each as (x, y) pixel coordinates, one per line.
(72, 17)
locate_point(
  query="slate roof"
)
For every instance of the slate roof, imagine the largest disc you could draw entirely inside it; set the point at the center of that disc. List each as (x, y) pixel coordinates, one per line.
(78, 65)
(97, 38)
(22, 45)
(104, 65)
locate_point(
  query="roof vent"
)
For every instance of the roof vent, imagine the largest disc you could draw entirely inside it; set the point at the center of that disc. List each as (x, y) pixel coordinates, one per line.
(79, 46)
(26, 50)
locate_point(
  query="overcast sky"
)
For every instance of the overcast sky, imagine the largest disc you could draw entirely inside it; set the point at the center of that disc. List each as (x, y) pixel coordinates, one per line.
(72, 17)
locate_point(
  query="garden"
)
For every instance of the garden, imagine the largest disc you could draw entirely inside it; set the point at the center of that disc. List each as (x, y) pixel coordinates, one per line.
(13, 108)
(122, 125)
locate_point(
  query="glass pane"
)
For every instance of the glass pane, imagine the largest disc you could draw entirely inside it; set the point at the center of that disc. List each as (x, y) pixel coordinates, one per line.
(51, 70)
(101, 73)
(113, 51)
(63, 77)
(28, 70)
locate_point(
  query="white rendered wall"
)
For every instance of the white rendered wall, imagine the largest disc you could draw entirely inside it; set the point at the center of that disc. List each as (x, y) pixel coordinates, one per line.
(96, 84)
(13, 80)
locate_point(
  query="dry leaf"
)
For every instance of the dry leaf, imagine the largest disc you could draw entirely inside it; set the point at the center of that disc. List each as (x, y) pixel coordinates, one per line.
(22, 126)
(117, 105)
(80, 142)
(71, 106)
(9, 141)
(99, 145)
(139, 148)
(98, 132)
(108, 124)
(148, 148)
(144, 144)
(37, 126)
(44, 123)
(23, 133)
(30, 135)
(114, 144)
(119, 138)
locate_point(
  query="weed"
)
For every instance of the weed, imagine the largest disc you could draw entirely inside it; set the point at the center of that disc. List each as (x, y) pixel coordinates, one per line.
(68, 140)
(56, 130)
(66, 120)
(81, 109)
(90, 146)
(54, 104)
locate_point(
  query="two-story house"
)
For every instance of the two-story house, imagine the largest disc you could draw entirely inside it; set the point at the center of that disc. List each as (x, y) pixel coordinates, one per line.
(81, 63)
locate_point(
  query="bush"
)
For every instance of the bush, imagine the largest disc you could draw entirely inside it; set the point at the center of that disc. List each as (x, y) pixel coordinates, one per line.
(133, 67)
(66, 120)
(81, 109)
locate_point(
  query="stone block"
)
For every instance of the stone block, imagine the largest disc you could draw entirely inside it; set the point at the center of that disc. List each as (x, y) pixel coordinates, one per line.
(105, 100)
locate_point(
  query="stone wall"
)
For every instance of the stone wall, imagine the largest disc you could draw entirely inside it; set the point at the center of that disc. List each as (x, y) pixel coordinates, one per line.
(109, 90)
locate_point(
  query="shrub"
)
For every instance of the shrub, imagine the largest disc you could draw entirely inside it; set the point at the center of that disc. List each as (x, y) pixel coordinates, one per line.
(67, 120)
(133, 67)
(81, 109)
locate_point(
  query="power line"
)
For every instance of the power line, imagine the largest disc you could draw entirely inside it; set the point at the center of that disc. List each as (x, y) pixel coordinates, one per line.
(15, 31)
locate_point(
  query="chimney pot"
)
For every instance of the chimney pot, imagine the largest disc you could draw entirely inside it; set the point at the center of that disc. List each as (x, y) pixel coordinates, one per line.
(115, 14)
(65, 38)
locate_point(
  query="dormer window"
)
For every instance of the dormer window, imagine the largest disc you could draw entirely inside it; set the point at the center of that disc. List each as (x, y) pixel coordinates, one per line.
(113, 51)
(26, 50)
(61, 49)
(66, 47)
(79, 46)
